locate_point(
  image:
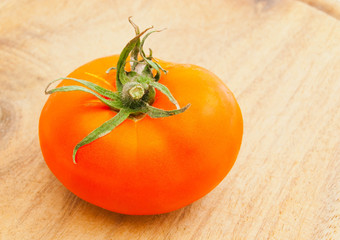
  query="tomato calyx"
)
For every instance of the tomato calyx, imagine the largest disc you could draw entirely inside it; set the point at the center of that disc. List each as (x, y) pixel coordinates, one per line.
(136, 89)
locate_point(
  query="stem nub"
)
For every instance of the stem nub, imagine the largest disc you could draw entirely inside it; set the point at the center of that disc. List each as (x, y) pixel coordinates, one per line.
(132, 94)
(136, 92)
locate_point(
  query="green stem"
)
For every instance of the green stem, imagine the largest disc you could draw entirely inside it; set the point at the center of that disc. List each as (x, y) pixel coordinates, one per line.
(135, 89)
(121, 77)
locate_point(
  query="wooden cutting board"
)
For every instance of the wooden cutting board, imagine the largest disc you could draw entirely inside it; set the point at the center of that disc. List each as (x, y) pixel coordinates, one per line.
(280, 58)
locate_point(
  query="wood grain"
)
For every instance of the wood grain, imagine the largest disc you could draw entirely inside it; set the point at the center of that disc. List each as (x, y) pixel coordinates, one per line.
(331, 7)
(280, 58)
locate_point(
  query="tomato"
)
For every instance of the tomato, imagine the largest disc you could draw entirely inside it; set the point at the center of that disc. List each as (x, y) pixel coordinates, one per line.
(145, 165)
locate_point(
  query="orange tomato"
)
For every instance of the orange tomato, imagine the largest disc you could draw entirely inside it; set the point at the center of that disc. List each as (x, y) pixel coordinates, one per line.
(146, 166)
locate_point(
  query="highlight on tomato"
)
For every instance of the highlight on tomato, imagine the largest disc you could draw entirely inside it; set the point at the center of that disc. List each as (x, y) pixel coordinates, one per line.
(140, 136)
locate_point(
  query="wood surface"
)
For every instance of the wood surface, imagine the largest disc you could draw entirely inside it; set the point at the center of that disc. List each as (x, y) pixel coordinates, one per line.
(331, 7)
(280, 58)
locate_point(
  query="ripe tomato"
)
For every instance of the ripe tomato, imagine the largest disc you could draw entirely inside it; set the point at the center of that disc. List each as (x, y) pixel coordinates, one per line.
(144, 166)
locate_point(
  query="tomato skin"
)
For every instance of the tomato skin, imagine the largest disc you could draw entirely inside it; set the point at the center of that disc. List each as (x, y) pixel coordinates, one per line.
(149, 166)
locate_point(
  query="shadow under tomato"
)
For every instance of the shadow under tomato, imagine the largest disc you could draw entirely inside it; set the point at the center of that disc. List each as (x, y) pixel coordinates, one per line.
(133, 221)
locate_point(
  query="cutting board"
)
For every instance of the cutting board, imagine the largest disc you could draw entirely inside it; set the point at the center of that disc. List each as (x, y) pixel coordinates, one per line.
(280, 58)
